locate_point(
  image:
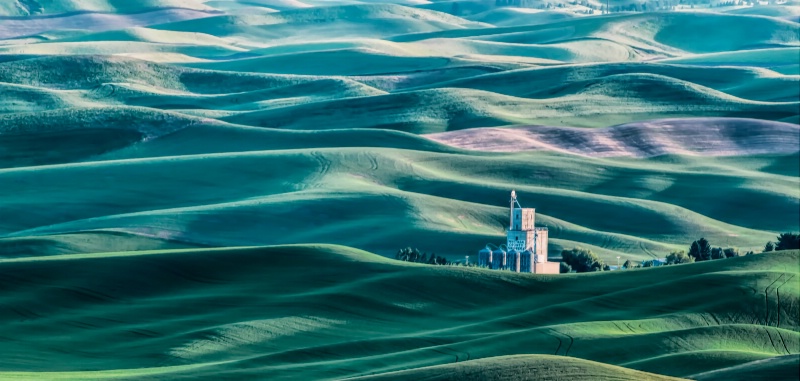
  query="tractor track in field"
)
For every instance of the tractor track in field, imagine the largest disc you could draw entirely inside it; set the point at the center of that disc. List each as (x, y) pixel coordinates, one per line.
(770, 339)
(778, 298)
(325, 164)
(555, 334)
(102, 90)
(783, 342)
(571, 341)
(766, 299)
(646, 250)
(446, 354)
(558, 335)
(373, 162)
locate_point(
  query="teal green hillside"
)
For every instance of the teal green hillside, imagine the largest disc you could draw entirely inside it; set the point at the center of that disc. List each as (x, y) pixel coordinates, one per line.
(239, 313)
(218, 189)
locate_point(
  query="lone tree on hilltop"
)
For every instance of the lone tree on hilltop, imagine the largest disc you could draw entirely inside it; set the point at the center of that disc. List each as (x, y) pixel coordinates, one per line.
(769, 247)
(788, 241)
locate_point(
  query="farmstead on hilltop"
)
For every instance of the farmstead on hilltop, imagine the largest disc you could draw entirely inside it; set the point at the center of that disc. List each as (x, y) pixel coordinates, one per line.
(526, 245)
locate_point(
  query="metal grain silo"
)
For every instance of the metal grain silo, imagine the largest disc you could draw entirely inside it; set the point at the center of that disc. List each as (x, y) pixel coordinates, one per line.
(485, 257)
(526, 262)
(512, 260)
(498, 259)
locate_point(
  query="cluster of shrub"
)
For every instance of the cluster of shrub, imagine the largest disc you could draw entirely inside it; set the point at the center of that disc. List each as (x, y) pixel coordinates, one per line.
(580, 260)
(414, 255)
(701, 250)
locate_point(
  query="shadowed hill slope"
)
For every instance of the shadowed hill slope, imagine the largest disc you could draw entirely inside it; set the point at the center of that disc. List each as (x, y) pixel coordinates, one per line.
(422, 194)
(520, 367)
(21, 8)
(700, 136)
(657, 32)
(212, 132)
(345, 105)
(566, 95)
(520, 16)
(356, 314)
(774, 368)
(613, 100)
(358, 20)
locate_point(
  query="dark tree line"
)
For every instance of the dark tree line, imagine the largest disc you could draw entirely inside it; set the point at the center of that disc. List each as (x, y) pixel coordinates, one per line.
(414, 255)
(701, 250)
(785, 241)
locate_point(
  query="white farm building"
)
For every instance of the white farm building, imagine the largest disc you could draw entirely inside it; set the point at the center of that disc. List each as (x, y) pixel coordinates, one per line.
(526, 245)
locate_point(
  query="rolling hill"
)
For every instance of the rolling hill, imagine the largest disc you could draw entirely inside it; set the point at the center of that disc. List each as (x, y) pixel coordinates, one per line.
(353, 313)
(211, 189)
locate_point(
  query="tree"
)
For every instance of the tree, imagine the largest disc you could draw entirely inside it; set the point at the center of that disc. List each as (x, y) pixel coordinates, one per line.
(678, 257)
(694, 251)
(432, 260)
(717, 253)
(564, 268)
(414, 255)
(731, 252)
(581, 260)
(705, 249)
(627, 264)
(788, 241)
(769, 247)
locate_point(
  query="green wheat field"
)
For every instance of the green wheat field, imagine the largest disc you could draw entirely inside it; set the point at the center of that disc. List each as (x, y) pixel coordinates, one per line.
(216, 189)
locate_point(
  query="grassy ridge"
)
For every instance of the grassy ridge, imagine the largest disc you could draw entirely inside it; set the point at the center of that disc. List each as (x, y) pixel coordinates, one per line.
(520, 367)
(653, 30)
(355, 313)
(773, 368)
(433, 101)
(425, 195)
(143, 170)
